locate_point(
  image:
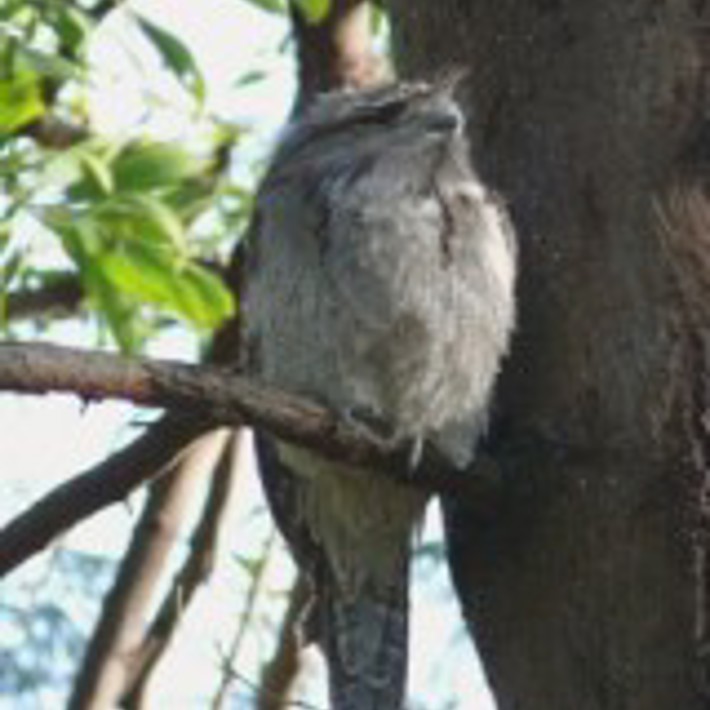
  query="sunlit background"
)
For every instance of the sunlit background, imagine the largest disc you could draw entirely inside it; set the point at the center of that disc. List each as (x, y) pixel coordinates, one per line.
(244, 56)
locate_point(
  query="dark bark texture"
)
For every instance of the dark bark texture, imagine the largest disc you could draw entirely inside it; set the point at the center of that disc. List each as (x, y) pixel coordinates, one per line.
(588, 588)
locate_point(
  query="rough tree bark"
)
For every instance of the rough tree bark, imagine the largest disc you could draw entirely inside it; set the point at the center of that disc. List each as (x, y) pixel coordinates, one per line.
(588, 588)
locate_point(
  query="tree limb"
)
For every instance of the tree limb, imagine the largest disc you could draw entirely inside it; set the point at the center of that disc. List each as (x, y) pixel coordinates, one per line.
(229, 656)
(281, 672)
(336, 52)
(197, 568)
(108, 662)
(62, 296)
(82, 496)
(55, 133)
(201, 398)
(211, 395)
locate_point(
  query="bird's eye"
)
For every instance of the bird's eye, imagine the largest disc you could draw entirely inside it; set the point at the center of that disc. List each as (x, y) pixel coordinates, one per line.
(382, 114)
(390, 112)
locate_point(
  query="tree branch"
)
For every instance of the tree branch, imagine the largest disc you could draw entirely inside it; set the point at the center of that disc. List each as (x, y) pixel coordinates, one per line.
(336, 52)
(62, 296)
(109, 482)
(109, 658)
(213, 395)
(200, 399)
(230, 655)
(197, 568)
(281, 672)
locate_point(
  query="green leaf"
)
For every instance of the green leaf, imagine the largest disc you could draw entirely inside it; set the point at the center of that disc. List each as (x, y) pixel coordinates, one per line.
(119, 312)
(314, 11)
(10, 269)
(84, 171)
(82, 242)
(141, 270)
(191, 199)
(146, 166)
(20, 101)
(251, 77)
(150, 274)
(205, 300)
(73, 26)
(97, 173)
(48, 65)
(164, 221)
(133, 217)
(275, 6)
(176, 56)
(251, 565)
(81, 239)
(379, 19)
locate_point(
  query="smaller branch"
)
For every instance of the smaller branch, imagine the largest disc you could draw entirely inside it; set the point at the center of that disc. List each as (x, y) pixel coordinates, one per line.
(201, 398)
(109, 482)
(229, 659)
(281, 672)
(196, 570)
(55, 133)
(61, 297)
(245, 681)
(105, 665)
(108, 658)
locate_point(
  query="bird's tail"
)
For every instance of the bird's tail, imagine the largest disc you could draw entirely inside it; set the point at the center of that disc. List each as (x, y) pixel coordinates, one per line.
(351, 532)
(364, 640)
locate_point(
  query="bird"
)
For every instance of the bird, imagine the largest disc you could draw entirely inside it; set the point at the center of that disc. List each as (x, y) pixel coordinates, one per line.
(380, 283)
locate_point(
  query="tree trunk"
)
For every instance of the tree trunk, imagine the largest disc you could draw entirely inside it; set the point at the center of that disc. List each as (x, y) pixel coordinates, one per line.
(587, 589)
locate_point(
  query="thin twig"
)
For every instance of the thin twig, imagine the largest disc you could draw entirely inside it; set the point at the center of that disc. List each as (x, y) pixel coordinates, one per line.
(230, 658)
(253, 686)
(82, 496)
(280, 673)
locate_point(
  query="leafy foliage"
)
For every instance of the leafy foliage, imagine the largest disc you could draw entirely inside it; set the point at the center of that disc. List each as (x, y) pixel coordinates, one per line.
(176, 56)
(314, 11)
(20, 101)
(127, 236)
(121, 211)
(142, 224)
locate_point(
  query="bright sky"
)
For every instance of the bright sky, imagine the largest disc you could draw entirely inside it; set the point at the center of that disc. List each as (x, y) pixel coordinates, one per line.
(48, 439)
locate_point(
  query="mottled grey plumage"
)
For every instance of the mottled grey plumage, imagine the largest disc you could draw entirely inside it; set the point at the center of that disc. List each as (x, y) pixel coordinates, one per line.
(380, 282)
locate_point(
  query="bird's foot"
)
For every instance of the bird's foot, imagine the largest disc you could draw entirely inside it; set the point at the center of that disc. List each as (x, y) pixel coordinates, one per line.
(370, 425)
(375, 428)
